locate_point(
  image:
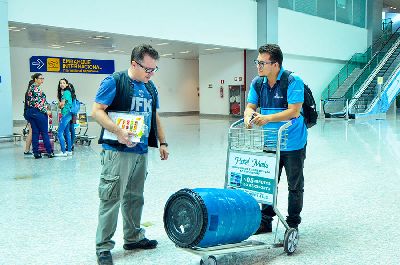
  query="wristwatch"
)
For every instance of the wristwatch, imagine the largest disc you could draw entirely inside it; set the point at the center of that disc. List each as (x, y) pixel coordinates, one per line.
(166, 144)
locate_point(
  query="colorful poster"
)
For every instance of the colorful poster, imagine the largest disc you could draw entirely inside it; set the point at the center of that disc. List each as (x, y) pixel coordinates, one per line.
(130, 122)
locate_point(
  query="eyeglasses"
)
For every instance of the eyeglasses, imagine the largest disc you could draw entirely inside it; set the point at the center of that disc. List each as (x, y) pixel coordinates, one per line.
(261, 64)
(148, 70)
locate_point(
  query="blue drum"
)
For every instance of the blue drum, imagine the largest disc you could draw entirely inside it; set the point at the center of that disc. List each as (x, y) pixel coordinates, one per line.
(206, 217)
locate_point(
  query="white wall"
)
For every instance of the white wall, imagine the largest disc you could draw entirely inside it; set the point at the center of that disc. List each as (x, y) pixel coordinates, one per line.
(177, 80)
(307, 35)
(5, 74)
(222, 22)
(212, 69)
(316, 48)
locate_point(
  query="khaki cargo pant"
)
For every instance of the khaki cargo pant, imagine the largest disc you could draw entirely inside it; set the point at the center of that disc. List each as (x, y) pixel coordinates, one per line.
(121, 183)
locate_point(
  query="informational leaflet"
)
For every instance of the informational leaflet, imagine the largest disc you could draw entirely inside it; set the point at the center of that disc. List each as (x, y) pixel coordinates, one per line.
(131, 122)
(254, 174)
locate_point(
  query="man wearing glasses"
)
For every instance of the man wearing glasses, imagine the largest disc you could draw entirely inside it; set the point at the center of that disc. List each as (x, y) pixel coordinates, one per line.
(280, 95)
(124, 162)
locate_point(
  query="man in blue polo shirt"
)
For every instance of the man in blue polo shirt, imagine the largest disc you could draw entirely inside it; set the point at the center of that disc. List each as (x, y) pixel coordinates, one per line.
(278, 106)
(124, 162)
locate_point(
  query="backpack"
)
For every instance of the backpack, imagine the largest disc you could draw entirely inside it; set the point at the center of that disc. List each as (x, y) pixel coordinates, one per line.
(76, 105)
(309, 107)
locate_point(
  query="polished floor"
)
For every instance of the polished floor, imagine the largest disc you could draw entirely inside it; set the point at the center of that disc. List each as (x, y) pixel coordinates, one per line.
(48, 207)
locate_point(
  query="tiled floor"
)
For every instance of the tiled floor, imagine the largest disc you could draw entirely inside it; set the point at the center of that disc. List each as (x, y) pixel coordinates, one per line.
(48, 207)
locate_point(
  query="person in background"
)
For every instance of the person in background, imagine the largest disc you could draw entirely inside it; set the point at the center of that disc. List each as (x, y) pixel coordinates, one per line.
(73, 119)
(65, 103)
(124, 163)
(28, 140)
(62, 84)
(37, 115)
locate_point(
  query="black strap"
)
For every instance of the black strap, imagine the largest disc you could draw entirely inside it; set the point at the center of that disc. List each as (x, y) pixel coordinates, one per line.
(284, 84)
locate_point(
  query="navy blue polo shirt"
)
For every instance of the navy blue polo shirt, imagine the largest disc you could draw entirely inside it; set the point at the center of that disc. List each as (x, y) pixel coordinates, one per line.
(272, 101)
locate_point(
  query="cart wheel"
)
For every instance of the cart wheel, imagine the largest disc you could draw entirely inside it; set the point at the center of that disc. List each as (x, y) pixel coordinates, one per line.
(89, 142)
(291, 240)
(211, 260)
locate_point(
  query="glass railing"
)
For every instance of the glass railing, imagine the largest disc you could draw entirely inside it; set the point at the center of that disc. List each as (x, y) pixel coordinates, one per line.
(358, 60)
(374, 62)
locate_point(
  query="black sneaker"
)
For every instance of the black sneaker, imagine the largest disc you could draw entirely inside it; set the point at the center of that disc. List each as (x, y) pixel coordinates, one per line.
(265, 227)
(51, 155)
(37, 156)
(142, 244)
(28, 153)
(104, 258)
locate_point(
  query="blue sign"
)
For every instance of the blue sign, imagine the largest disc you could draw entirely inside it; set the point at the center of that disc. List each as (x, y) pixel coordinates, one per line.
(70, 65)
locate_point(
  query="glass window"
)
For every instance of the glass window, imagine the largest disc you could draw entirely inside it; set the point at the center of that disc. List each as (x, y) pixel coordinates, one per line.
(326, 9)
(286, 4)
(359, 13)
(306, 6)
(344, 11)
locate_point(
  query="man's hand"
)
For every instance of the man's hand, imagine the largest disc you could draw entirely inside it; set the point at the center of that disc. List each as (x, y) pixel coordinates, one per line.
(249, 119)
(124, 137)
(164, 152)
(260, 120)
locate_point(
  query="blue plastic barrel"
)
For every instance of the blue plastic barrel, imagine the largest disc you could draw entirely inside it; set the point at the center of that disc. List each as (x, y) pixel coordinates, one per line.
(206, 217)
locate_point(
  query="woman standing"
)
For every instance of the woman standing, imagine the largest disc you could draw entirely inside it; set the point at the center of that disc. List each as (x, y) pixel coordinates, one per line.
(65, 97)
(36, 115)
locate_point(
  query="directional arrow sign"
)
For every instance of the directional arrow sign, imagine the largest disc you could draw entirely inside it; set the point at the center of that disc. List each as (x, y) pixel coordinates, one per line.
(37, 64)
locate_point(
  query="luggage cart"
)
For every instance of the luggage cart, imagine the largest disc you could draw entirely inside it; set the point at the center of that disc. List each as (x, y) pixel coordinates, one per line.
(253, 166)
(55, 118)
(82, 126)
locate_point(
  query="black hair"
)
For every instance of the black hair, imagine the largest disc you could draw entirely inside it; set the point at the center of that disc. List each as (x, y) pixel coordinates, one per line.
(71, 88)
(140, 51)
(59, 89)
(30, 83)
(274, 52)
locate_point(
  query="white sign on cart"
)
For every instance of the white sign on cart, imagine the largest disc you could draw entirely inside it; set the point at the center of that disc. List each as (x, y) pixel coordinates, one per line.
(254, 174)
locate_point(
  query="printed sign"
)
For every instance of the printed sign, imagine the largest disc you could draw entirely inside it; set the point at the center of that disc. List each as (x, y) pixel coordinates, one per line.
(130, 122)
(254, 174)
(70, 65)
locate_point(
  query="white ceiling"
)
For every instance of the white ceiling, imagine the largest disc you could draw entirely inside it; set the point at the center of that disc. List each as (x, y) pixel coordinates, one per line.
(39, 36)
(392, 3)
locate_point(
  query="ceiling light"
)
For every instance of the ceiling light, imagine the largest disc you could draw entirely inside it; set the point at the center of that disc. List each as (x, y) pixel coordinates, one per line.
(100, 37)
(166, 54)
(75, 42)
(15, 28)
(185, 52)
(115, 51)
(163, 43)
(55, 46)
(211, 49)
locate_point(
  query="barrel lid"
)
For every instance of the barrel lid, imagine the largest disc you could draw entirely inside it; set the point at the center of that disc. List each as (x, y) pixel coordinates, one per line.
(185, 218)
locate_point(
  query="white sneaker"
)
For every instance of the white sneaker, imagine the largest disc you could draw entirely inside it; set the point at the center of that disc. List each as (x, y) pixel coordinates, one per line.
(61, 154)
(69, 153)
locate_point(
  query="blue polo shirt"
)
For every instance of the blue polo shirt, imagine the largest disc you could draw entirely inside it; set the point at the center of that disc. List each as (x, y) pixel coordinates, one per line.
(141, 102)
(272, 101)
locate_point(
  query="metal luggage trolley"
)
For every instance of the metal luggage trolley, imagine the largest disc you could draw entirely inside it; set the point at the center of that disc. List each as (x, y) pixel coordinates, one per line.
(82, 126)
(55, 118)
(253, 166)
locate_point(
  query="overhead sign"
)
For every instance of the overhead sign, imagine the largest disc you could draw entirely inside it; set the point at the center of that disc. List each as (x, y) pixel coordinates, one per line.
(70, 65)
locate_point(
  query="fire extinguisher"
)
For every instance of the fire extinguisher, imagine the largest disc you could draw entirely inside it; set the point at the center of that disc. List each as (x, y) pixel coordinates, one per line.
(221, 91)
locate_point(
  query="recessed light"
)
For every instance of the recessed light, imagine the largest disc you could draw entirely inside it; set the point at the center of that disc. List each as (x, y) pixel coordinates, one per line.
(211, 49)
(166, 54)
(185, 52)
(163, 43)
(100, 37)
(75, 42)
(55, 46)
(115, 51)
(15, 28)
